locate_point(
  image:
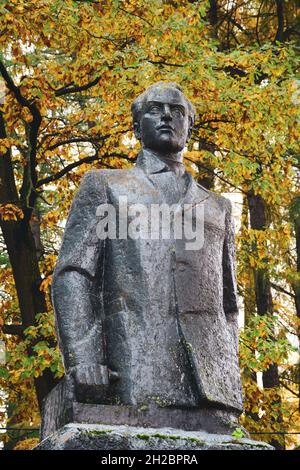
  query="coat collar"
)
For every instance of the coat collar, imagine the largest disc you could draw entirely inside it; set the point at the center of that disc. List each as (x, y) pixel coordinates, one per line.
(151, 164)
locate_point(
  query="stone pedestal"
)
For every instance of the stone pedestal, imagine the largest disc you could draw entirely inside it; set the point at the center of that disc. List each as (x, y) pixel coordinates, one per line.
(61, 407)
(70, 424)
(105, 437)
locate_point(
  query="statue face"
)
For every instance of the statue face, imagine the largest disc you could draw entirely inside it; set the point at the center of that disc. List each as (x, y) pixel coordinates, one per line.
(164, 124)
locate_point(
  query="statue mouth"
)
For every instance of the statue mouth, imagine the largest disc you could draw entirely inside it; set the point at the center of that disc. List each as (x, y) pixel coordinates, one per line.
(165, 128)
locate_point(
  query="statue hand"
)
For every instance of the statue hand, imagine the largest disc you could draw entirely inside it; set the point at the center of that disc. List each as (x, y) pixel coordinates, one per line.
(91, 375)
(92, 381)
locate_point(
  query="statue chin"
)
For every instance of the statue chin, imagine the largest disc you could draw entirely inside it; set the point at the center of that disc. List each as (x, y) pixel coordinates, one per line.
(165, 146)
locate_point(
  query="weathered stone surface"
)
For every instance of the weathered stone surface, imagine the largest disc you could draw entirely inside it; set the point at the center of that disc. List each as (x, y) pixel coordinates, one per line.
(60, 408)
(159, 307)
(145, 323)
(102, 437)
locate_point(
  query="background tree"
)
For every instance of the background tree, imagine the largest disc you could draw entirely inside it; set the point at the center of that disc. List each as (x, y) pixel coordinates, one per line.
(70, 70)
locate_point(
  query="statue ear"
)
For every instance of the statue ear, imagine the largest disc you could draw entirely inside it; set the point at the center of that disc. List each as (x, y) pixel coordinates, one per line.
(137, 130)
(189, 132)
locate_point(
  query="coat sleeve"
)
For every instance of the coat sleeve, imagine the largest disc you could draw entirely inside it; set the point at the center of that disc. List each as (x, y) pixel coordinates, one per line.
(80, 247)
(230, 303)
(76, 285)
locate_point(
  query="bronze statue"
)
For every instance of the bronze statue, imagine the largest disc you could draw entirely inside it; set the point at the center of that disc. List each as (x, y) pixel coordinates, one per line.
(146, 323)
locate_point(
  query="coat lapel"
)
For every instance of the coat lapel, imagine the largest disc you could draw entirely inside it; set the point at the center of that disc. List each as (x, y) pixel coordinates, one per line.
(195, 193)
(163, 178)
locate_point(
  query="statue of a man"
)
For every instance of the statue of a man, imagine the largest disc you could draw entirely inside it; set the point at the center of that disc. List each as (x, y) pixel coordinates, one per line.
(147, 322)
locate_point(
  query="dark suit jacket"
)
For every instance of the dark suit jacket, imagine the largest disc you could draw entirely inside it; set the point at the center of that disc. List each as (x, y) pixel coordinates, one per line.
(163, 317)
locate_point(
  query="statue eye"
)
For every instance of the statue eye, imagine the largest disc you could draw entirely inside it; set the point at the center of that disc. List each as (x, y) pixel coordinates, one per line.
(178, 111)
(154, 109)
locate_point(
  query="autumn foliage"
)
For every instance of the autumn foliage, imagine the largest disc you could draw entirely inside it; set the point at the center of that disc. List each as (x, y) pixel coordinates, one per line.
(69, 71)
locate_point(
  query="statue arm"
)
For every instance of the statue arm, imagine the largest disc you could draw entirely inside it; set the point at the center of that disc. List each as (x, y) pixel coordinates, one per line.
(77, 303)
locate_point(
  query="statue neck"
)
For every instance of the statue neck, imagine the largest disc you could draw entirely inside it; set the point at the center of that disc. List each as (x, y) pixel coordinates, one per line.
(173, 160)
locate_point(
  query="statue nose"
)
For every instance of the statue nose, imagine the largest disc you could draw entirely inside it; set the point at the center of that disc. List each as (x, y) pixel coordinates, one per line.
(166, 113)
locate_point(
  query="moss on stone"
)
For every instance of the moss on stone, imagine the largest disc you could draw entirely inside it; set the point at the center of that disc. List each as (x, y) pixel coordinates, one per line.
(143, 408)
(95, 432)
(146, 437)
(242, 443)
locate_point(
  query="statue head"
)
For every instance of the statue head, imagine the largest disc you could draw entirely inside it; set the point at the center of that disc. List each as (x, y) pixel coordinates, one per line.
(163, 118)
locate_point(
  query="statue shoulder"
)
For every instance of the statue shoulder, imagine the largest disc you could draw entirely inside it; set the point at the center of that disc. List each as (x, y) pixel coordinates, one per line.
(104, 175)
(225, 203)
(221, 201)
(95, 183)
(92, 177)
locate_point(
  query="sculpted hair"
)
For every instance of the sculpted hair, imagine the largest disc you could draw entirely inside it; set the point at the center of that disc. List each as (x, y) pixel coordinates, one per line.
(137, 105)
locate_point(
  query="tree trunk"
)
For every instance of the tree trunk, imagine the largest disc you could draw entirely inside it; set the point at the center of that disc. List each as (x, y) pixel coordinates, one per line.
(280, 20)
(249, 304)
(213, 17)
(23, 258)
(263, 294)
(297, 289)
(297, 285)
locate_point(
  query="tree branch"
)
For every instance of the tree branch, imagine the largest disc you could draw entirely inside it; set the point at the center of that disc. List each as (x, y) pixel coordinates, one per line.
(162, 62)
(75, 140)
(17, 92)
(238, 26)
(135, 15)
(215, 173)
(296, 394)
(281, 289)
(88, 139)
(73, 165)
(16, 330)
(76, 88)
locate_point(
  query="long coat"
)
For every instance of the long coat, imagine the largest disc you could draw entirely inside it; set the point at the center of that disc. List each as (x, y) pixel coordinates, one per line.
(165, 318)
